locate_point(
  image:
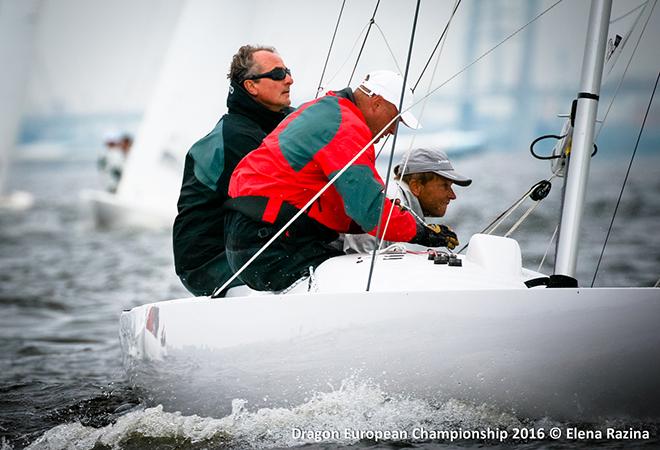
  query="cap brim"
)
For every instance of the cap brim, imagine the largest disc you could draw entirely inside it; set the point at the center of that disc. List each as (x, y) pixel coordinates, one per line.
(410, 121)
(455, 177)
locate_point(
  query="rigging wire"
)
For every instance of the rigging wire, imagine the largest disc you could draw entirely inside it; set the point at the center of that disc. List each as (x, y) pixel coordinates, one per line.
(625, 71)
(428, 94)
(371, 22)
(490, 229)
(632, 158)
(355, 43)
(483, 55)
(493, 225)
(412, 142)
(547, 249)
(611, 103)
(425, 97)
(437, 44)
(377, 136)
(404, 87)
(382, 147)
(515, 226)
(332, 43)
(396, 63)
(307, 205)
(628, 13)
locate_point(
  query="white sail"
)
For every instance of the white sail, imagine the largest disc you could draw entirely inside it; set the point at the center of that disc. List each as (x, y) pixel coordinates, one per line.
(17, 35)
(188, 100)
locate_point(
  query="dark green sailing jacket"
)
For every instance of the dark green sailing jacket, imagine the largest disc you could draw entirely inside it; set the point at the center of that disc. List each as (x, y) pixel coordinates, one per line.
(199, 245)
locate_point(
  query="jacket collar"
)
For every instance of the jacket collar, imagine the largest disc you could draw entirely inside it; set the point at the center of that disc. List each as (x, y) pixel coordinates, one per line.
(239, 101)
(405, 194)
(346, 93)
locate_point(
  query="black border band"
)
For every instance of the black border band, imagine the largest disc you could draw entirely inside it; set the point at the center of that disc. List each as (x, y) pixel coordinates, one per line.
(588, 95)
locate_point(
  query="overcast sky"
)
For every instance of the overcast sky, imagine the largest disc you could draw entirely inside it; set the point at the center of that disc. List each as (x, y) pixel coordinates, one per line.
(100, 55)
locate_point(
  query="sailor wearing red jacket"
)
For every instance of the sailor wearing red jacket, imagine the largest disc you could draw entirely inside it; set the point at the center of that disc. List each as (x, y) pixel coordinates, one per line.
(295, 162)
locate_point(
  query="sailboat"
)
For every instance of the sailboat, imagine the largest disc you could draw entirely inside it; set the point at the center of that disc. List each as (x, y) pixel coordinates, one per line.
(149, 187)
(482, 329)
(17, 37)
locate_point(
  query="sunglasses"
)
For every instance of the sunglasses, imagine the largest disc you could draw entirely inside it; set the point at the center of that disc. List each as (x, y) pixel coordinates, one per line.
(277, 74)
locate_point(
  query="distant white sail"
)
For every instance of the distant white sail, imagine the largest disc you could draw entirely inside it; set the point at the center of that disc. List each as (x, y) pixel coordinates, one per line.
(17, 32)
(188, 100)
(190, 95)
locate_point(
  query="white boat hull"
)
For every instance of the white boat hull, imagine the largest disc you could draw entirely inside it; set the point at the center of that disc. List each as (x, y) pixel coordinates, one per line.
(114, 211)
(570, 354)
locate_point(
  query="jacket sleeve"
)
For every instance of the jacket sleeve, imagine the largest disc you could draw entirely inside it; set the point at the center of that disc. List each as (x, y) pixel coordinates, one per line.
(360, 187)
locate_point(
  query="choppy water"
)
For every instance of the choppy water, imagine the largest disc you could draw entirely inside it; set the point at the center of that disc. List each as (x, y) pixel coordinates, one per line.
(63, 285)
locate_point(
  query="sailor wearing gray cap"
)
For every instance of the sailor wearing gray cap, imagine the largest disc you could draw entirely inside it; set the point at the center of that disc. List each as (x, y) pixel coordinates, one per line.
(421, 160)
(428, 175)
(424, 179)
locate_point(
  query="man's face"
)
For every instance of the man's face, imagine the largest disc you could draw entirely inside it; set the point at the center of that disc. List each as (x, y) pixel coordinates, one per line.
(379, 114)
(273, 94)
(434, 195)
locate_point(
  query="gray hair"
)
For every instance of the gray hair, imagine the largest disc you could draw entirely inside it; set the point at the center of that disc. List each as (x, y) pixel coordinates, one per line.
(242, 64)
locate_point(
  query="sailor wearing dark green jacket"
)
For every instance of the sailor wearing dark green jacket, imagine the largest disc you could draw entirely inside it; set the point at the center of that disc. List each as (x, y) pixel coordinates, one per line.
(258, 100)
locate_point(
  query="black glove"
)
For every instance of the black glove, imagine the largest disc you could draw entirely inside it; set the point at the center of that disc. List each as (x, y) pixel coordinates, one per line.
(433, 235)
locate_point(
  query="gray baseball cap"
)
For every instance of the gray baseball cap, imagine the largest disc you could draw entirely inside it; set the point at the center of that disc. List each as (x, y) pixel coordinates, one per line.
(430, 160)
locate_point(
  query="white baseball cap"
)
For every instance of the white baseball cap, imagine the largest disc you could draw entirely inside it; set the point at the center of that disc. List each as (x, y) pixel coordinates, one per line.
(389, 85)
(112, 136)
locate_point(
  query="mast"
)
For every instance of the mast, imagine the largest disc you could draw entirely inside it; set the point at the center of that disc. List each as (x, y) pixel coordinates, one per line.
(575, 186)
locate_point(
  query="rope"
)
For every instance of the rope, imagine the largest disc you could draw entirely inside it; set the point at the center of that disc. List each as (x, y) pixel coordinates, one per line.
(316, 196)
(628, 13)
(332, 42)
(355, 43)
(387, 44)
(389, 164)
(502, 217)
(547, 249)
(609, 107)
(382, 147)
(421, 116)
(442, 35)
(623, 76)
(632, 158)
(483, 55)
(490, 229)
(307, 205)
(515, 226)
(492, 226)
(371, 22)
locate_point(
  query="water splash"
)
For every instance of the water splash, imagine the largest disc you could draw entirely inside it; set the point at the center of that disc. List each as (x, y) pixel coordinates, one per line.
(335, 417)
